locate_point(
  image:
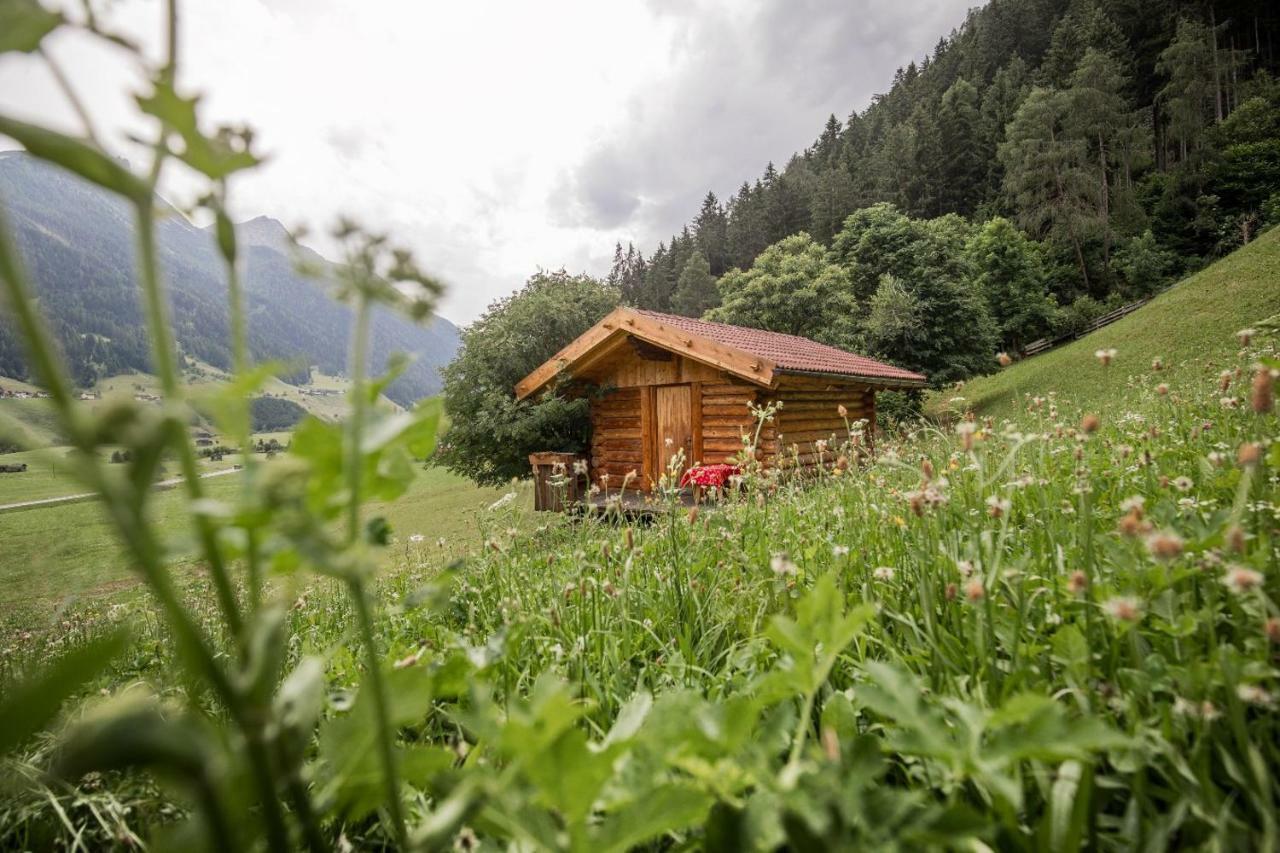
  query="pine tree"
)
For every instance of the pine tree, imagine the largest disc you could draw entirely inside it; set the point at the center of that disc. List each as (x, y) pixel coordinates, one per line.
(1047, 177)
(1186, 100)
(696, 291)
(1100, 115)
(711, 231)
(964, 149)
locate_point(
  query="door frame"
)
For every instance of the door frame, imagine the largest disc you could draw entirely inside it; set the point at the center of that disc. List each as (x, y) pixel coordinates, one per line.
(651, 452)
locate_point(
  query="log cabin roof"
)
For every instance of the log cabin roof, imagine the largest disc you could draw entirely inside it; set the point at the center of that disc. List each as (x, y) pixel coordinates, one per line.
(755, 355)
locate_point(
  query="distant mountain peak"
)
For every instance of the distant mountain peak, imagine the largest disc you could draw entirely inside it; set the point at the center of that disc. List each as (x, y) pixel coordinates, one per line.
(264, 231)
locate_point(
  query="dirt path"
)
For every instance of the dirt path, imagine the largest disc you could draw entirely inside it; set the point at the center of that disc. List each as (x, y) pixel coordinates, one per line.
(85, 496)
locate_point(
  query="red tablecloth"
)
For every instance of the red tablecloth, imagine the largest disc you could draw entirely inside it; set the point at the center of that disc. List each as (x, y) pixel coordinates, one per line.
(709, 475)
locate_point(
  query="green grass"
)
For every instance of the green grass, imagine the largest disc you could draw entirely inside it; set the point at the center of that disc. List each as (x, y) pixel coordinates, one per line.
(69, 551)
(986, 651)
(1191, 327)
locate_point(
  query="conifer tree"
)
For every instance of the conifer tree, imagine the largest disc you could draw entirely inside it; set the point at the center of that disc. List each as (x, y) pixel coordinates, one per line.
(696, 291)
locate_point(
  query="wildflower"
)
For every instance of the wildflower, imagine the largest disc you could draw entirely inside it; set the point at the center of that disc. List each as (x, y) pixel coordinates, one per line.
(974, 590)
(1216, 459)
(926, 470)
(1224, 380)
(1182, 484)
(1089, 424)
(966, 429)
(1252, 694)
(693, 514)
(1240, 580)
(1272, 629)
(416, 538)
(1162, 389)
(1235, 539)
(1004, 359)
(1133, 503)
(1123, 608)
(1244, 336)
(951, 591)
(997, 506)
(842, 411)
(466, 840)
(502, 501)
(1164, 545)
(965, 567)
(1228, 402)
(839, 550)
(1077, 583)
(884, 573)
(1157, 364)
(1105, 356)
(1249, 454)
(1263, 399)
(782, 565)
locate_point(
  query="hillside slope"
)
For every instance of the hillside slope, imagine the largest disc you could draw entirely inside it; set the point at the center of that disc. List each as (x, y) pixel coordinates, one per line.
(1191, 327)
(77, 241)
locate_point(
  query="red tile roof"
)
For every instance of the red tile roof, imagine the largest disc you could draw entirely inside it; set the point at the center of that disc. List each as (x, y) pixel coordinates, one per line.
(791, 353)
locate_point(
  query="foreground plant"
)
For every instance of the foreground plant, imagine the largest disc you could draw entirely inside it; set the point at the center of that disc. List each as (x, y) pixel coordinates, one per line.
(1049, 634)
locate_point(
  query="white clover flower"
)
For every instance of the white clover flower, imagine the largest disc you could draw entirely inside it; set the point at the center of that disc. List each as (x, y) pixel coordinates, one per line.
(840, 550)
(1252, 694)
(416, 538)
(782, 565)
(884, 573)
(1183, 484)
(1240, 580)
(1123, 608)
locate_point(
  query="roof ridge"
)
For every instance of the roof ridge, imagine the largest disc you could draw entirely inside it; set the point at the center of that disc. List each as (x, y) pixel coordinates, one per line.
(783, 362)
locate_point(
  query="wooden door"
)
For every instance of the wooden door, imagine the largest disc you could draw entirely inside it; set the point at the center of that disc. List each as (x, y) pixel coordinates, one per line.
(673, 406)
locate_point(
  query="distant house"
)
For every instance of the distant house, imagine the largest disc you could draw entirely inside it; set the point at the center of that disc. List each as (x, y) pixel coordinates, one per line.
(671, 383)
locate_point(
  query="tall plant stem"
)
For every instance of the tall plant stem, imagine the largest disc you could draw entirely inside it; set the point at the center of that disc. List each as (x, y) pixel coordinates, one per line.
(163, 349)
(243, 425)
(355, 583)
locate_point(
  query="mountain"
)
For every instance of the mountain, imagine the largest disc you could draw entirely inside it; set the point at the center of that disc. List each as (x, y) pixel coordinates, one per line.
(78, 244)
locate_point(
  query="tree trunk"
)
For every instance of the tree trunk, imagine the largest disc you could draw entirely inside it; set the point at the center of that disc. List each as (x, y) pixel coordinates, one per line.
(1217, 74)
(1106, 210)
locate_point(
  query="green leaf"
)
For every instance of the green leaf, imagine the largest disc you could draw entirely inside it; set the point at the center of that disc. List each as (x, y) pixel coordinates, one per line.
(213, 156)
(136, 732)
(76, 156)
(667, 809)
(300, 699)
(24, 23)
(31, 705)
(839, 716)
(630, 718)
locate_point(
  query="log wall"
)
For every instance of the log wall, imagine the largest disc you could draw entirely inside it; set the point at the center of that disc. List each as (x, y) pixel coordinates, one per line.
(621, 443)
(810, 413)
(617, 445)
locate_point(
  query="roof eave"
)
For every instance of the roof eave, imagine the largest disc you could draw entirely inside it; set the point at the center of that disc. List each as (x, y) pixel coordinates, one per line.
(885, 382)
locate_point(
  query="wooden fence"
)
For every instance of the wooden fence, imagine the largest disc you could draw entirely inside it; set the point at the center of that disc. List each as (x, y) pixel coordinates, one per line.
(1037, 347)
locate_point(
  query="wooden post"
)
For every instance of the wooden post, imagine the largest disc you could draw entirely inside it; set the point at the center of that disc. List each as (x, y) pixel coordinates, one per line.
(556, 487)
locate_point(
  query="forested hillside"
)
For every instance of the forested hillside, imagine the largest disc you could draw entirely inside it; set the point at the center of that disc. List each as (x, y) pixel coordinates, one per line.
(78, 243)
(1045, 160)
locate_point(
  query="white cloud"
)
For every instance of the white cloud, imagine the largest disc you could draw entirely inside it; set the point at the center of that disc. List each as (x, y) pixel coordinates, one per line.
(495, 138)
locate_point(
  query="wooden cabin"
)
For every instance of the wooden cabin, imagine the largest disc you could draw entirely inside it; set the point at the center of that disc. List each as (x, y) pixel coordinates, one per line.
(662, 382)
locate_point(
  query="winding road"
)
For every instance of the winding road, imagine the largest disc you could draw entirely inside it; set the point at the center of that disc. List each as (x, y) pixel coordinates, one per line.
(84, 496)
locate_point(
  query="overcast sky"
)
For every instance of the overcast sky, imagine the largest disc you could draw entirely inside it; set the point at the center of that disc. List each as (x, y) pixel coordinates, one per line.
(497, 138)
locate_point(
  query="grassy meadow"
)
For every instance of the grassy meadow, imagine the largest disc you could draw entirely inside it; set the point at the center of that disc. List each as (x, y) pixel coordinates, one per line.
(1026, 630)
(1191, 328)
(1029, 633)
